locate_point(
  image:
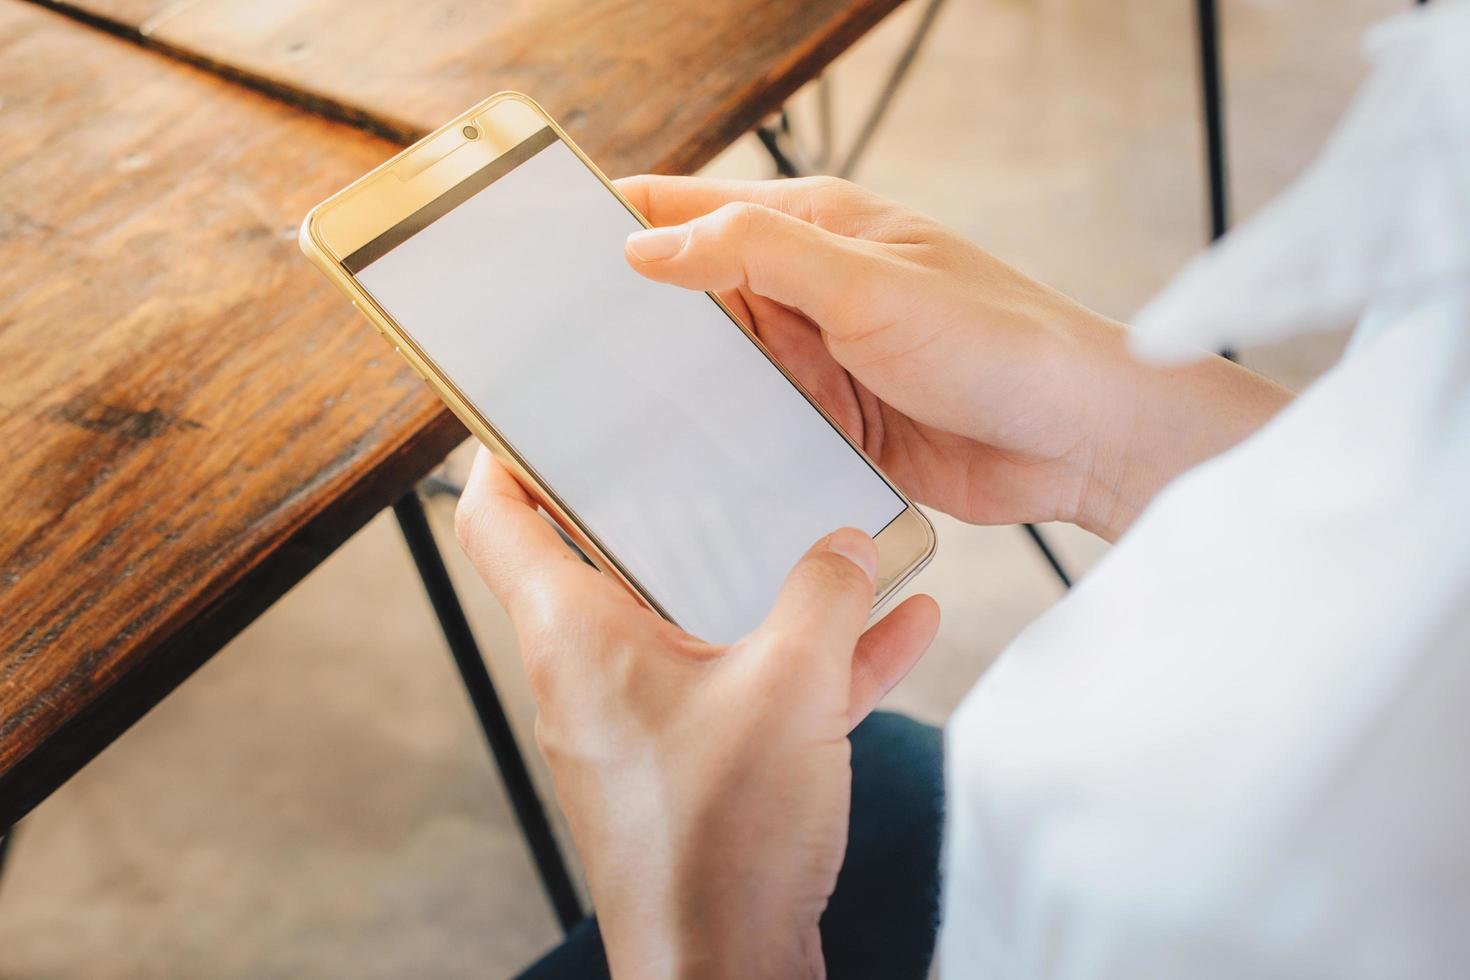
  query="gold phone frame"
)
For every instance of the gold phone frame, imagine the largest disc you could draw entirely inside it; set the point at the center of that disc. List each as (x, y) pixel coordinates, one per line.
(391, 192)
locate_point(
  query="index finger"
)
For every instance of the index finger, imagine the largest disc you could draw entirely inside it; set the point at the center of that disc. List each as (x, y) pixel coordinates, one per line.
(827, 202)
(517, 553)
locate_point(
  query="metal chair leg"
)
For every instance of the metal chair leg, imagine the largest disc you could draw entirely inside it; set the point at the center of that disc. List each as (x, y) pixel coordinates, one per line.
(526, 803)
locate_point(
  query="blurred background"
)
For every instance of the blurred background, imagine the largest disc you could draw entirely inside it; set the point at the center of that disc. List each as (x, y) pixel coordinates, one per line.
(317, 801)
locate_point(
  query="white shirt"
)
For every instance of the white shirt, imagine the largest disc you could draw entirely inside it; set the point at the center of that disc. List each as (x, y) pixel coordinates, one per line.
(1239, 747)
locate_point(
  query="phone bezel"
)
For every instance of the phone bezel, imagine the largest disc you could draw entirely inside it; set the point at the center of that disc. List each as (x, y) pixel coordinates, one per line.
(396, 189)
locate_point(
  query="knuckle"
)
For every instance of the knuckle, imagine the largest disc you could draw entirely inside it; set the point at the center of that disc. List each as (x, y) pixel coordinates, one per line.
(538, 669)
(832, 189)
(542, 676)
(736, 220)
(820, 200)
(744, 234)
(647, 191)
(829, 574)
(833, 196)
(469, 523)
(538, 648)
(553, 741)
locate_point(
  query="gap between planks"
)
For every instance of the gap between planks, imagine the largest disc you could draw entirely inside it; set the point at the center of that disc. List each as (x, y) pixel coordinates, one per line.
(395, 131)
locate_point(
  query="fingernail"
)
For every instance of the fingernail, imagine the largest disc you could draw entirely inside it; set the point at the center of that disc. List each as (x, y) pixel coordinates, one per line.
(857, 548)
(653, 244)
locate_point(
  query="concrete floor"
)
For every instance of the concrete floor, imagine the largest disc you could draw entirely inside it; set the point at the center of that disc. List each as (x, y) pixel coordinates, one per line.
(316, 801)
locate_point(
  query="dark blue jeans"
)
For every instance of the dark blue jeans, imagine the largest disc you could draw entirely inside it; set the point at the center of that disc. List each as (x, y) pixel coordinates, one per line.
(884, 913)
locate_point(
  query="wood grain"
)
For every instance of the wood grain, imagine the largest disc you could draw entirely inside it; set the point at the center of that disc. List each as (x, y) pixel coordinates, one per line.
(659, 86)
(122, 15)
(190, 418)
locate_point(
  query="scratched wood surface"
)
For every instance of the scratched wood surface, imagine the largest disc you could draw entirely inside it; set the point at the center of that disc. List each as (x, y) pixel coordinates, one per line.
(190, 418)
(641, 85)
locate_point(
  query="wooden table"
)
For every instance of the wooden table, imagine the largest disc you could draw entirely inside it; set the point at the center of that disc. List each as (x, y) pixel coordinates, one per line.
(190, 419)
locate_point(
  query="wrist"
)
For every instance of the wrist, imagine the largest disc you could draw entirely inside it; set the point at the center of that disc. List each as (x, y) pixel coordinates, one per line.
(667, 923)
(1148, 424)
(688, 948)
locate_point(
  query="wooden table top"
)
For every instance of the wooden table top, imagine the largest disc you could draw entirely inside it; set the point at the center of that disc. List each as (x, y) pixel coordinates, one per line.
(641, 86)
(190, 418)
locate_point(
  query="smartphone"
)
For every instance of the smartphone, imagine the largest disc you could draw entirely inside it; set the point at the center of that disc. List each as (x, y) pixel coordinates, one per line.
(645, 419)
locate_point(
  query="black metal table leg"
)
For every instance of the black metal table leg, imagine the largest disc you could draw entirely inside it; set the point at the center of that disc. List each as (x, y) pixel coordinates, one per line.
(777, 139)
(5, 850)
(1212, 99)
(526, 803)
(1049, 555)
(1212, 104)
(890, 88)
(771, 140)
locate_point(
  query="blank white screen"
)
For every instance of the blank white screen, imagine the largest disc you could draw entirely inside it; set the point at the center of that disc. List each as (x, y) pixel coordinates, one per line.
(653, 417)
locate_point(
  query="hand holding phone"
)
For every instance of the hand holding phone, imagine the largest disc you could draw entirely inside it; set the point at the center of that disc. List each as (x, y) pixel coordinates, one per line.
(646, 420)
(965, 380)
(706, 786)
(982, 392)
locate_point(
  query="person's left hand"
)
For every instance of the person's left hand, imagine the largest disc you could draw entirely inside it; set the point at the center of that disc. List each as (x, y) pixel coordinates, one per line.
(706, 787)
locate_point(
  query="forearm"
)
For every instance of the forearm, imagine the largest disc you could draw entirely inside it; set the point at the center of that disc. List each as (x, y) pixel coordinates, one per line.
(1150, 424)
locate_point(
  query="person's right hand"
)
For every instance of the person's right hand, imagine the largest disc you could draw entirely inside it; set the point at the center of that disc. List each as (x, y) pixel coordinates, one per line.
(981, 391)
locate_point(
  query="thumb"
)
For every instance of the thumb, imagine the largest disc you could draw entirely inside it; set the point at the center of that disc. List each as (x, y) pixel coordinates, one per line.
(828, 277)
(826, 600)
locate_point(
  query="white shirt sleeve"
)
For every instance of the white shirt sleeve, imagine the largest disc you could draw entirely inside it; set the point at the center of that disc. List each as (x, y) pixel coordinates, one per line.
(1237, 748)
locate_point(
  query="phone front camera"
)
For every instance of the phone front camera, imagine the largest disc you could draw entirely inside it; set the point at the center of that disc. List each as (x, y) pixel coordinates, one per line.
(470, 133)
